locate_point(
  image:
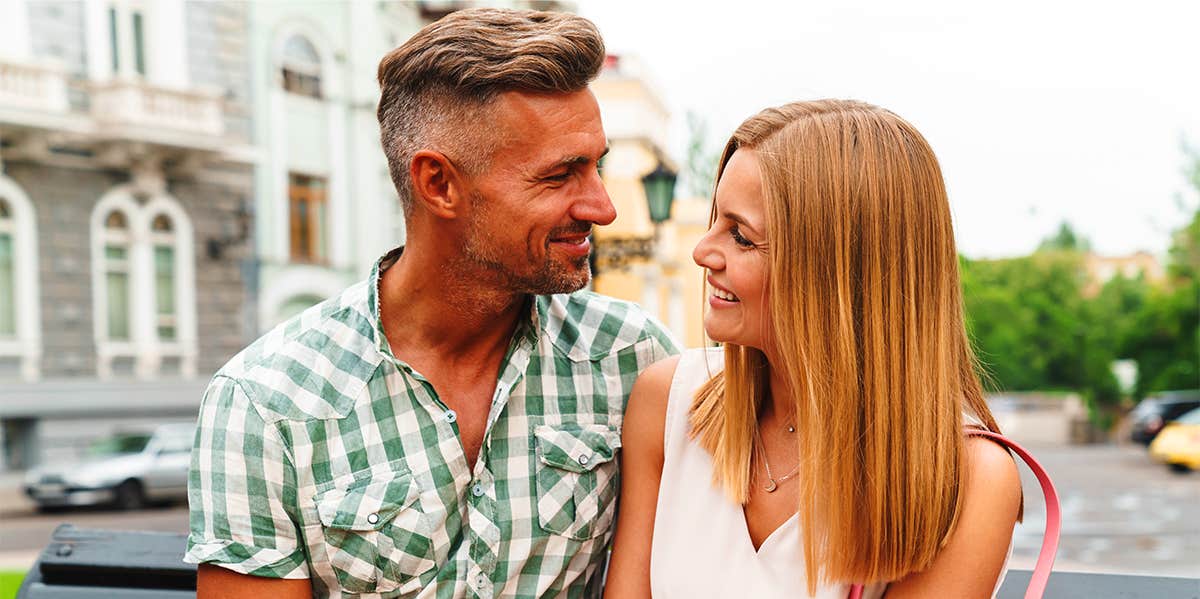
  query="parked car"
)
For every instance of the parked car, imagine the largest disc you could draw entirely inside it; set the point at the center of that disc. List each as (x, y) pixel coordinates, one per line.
(127, 470)
(1154, 412)
(1178, 444)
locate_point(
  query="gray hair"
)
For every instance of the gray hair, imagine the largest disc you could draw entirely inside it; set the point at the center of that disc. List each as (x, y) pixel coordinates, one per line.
(437, 87)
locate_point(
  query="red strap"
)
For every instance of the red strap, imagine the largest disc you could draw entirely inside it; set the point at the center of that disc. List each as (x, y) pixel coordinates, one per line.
(1045, 561)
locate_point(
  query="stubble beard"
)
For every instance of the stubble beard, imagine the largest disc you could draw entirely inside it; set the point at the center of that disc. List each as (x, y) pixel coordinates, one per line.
(482, 252)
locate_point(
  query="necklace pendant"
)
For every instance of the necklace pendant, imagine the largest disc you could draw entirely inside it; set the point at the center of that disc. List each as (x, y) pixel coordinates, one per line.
(770, 486)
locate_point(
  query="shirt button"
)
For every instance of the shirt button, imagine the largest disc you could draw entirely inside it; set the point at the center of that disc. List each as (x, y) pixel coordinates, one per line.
(481, 580)
(373, 518)
(477, 490)
(583, 460)
(451, 417)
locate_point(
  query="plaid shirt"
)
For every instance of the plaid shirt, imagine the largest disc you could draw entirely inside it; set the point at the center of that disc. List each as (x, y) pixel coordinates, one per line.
(319, 454)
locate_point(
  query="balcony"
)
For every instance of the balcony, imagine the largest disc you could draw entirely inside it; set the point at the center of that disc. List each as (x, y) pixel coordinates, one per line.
(135, 111)
(33, 95)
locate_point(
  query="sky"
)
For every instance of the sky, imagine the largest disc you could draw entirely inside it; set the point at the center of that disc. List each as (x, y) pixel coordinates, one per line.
(1040, 112)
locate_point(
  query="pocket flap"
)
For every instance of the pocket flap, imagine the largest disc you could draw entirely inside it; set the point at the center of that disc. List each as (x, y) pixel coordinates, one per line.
(576, 447)
(367, 504)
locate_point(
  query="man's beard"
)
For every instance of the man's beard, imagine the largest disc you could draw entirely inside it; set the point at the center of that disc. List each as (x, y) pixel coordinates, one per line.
(548, 277)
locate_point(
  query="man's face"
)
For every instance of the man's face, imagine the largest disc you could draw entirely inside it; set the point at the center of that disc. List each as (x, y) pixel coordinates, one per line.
(535, 204)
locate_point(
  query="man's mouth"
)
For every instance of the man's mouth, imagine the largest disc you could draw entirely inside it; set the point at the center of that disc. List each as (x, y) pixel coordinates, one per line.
(577, 244)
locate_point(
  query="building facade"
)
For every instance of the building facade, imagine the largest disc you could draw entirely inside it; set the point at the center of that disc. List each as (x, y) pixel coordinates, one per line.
(636, 260)
(126, 180)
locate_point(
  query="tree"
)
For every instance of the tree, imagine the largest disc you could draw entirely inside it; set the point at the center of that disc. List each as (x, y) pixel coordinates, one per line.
(701, 167)
(1065, 239)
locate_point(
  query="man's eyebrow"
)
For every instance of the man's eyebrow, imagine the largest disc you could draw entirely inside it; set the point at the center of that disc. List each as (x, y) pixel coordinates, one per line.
(577, 159)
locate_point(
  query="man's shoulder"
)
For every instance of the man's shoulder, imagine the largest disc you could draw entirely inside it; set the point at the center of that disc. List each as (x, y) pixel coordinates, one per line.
(588, 325)
(313, 365)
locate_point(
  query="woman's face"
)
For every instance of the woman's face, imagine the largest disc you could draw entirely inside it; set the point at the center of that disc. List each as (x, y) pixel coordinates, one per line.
(734, 255)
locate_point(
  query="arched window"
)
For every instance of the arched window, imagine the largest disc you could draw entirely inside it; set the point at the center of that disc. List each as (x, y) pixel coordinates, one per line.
(301, 67)
(117, 243)
(8, 287)
(162, 238)
(20, 313)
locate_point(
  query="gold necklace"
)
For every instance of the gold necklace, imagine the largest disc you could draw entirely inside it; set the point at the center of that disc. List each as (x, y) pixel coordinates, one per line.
(772, 482)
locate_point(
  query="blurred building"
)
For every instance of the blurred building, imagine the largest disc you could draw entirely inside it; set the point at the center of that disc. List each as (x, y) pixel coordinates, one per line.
(1101, 269)
(634, 261)
(125, 187)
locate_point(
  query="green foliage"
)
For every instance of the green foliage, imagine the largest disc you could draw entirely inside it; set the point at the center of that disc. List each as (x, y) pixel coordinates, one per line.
(1065, 239)
(701, 167)
(1036, 325)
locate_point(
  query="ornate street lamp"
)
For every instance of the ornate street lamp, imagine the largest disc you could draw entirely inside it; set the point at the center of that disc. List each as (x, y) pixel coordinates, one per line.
(660, 193)
(617, 253)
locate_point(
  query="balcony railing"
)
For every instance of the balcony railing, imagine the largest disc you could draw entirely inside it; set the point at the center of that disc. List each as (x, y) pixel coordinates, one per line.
(32, 87)
(133, 104)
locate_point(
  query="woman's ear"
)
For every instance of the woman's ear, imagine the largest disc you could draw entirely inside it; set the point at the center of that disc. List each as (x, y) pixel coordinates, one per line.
(438, 186)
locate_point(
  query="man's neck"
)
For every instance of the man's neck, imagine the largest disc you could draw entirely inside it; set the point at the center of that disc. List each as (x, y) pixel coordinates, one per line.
(430, 312)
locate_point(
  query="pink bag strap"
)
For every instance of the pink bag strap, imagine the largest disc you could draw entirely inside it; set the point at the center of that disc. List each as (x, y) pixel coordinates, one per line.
(1045, 561)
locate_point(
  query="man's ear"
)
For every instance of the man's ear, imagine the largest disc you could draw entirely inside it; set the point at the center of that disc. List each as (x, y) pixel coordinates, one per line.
(438, 185)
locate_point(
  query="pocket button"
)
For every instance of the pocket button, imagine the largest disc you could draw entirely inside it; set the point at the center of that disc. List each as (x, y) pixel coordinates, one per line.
(373, 518)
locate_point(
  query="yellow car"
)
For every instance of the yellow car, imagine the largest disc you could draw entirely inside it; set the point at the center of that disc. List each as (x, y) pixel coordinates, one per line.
(1178, 445)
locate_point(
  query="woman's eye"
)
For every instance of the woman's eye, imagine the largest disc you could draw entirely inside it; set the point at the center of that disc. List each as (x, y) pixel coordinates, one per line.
(738, 239)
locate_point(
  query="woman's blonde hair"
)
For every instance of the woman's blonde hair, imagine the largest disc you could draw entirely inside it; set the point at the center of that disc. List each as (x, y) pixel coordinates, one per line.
(866, 319)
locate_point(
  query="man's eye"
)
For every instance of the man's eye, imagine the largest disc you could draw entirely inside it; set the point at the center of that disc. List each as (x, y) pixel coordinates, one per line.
(738, 239)
(558, 178)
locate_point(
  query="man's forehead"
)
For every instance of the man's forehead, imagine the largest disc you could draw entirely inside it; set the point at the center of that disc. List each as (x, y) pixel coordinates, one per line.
(542, 121)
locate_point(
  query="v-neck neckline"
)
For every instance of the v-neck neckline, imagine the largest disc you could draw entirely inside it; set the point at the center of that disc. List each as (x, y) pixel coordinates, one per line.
(745, 526)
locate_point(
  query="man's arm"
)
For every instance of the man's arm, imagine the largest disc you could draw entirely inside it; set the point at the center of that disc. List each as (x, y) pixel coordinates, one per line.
(215, 582)
(241, 494)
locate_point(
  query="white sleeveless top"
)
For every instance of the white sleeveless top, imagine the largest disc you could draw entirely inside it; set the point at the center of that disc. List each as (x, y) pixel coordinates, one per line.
(701, 546)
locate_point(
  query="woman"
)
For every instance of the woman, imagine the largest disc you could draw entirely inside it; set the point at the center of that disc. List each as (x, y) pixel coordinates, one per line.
(824, 444)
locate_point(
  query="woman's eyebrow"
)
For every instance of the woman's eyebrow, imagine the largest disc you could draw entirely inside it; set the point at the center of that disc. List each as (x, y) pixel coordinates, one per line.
(741, 220)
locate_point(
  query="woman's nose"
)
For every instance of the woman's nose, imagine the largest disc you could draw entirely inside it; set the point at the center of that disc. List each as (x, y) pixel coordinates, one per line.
(707, 255)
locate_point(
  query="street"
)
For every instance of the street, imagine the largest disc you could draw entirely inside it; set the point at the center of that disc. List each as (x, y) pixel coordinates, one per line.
(1122, 514)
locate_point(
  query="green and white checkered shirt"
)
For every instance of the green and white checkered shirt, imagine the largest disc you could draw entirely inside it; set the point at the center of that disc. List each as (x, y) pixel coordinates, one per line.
(319, 454)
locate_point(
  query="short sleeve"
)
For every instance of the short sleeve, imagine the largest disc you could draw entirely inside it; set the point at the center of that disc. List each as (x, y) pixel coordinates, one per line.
(662, 344)
(241, 490)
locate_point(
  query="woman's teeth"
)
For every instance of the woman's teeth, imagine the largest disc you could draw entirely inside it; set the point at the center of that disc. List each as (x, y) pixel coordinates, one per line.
(729, 297)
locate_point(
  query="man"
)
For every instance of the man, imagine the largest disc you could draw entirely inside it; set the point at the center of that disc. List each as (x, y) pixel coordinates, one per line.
(448, 427)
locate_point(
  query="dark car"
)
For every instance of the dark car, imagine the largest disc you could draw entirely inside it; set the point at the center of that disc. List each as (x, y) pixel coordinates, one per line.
(1154, 412)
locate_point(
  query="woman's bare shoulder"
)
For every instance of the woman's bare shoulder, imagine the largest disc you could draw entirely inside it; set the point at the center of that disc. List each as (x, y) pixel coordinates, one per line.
(646, 414)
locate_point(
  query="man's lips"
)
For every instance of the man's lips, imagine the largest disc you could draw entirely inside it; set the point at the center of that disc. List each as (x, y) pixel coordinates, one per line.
(578, 244)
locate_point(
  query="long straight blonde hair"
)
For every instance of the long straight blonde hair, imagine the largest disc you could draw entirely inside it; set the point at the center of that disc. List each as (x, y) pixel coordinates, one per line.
(866, 324)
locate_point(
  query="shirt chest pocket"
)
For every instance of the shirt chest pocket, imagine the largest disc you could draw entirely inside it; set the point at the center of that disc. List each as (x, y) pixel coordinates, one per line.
(376, 537)
(577, 479)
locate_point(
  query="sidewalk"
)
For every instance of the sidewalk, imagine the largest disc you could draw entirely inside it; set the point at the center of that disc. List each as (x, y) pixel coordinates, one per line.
(12, 498)
(13, 502)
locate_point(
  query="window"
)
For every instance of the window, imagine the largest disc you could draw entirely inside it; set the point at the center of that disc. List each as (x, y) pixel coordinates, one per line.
(301, 67)
(20, 312)
(164, 277)
(8, 288)
(116, 274)
(306, 199)
(143, 285)
(128, 34)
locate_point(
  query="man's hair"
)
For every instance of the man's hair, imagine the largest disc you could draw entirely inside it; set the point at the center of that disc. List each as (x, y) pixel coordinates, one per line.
(436, 87)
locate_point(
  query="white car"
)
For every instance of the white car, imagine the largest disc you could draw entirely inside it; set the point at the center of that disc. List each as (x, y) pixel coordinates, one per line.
(127, 470)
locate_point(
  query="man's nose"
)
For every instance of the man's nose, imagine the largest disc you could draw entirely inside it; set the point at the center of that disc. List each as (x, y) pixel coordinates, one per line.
(594, 206)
